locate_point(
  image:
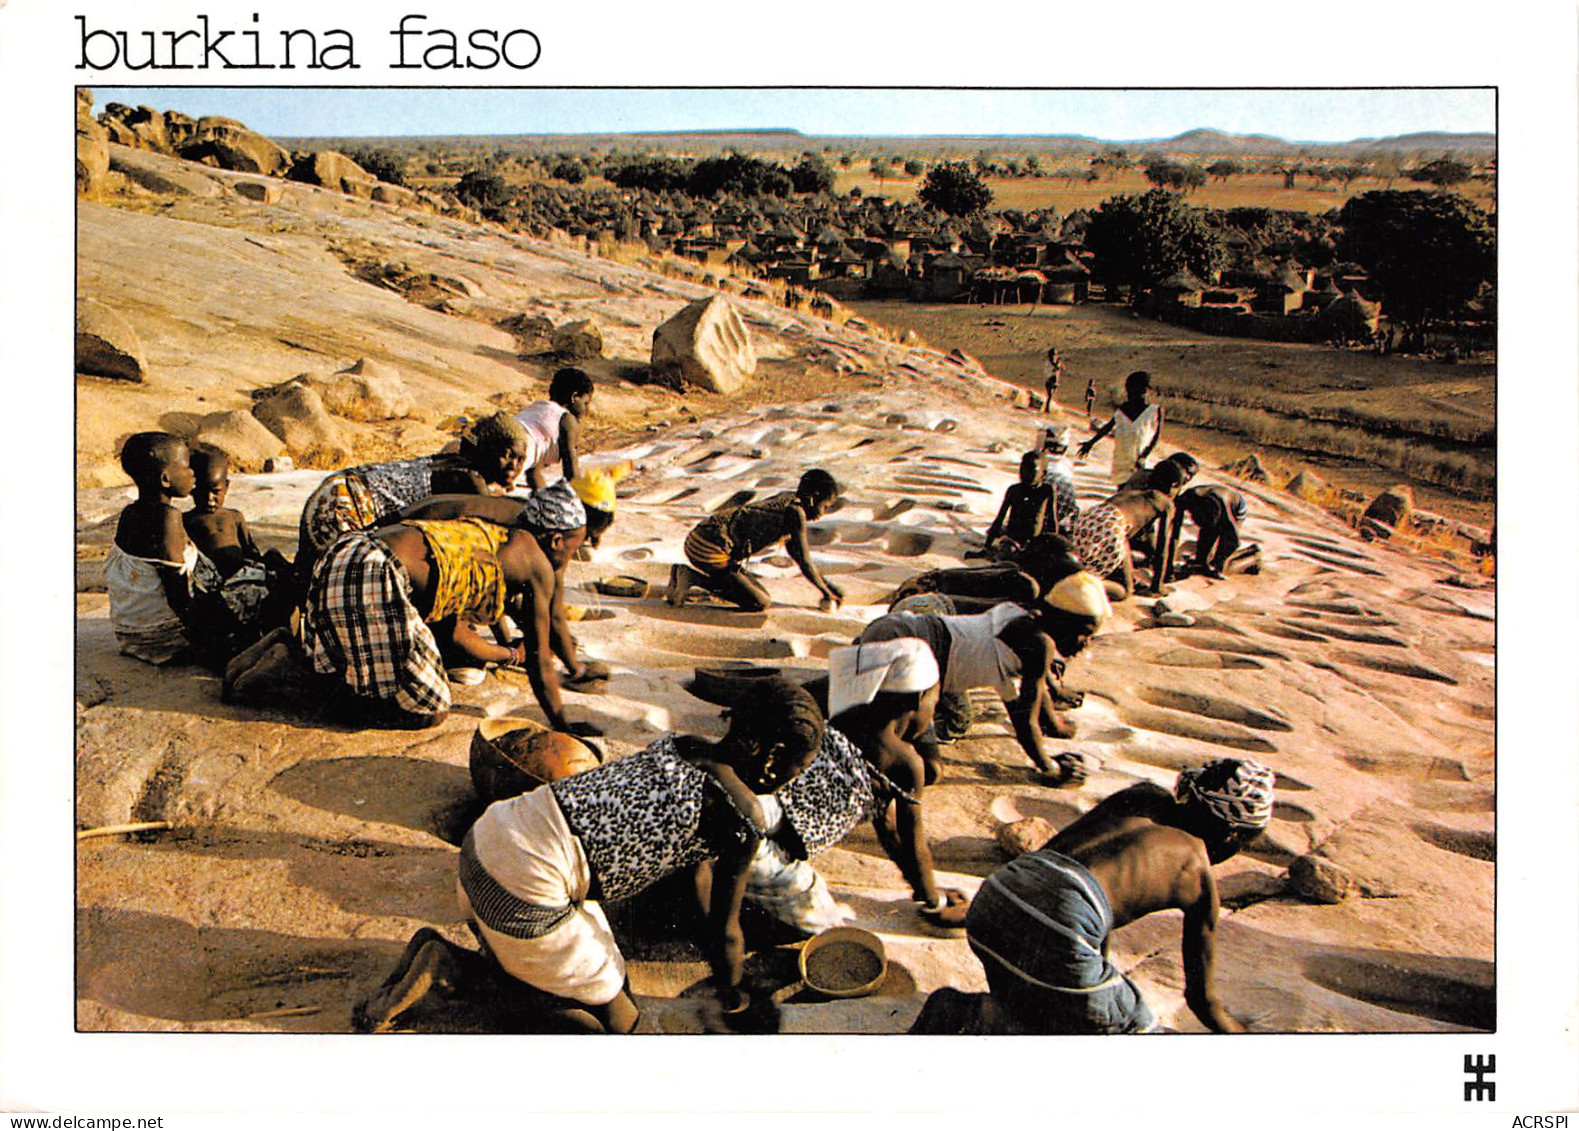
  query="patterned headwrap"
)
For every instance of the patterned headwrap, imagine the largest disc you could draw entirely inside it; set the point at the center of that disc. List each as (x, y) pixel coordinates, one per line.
(857, 673)
(1242, 800)
(1056, 438)
(553, 508)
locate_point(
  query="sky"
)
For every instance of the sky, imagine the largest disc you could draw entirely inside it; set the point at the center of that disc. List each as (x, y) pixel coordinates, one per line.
(1110, 115)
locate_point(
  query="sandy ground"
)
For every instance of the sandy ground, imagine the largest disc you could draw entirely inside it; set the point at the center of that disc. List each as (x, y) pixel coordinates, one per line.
(304, 855)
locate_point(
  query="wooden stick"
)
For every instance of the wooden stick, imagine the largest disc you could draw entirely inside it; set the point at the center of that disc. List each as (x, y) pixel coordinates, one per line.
(291, 1011)
(134, 827)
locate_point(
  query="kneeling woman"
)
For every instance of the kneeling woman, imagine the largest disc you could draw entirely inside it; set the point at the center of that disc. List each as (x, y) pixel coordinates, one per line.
(881, 697)
(534, 869)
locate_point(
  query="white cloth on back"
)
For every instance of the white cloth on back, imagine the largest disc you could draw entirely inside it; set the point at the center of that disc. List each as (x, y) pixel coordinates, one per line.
(858, 673)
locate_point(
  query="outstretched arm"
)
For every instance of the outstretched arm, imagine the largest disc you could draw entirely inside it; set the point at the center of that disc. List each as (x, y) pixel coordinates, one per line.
(796, 547)
(569, 441)
(540, 671)
(1200, 939)
(1155, 436)
(1162, 544)
(1003, 513)
(564, 643)
(1085, 448)
(1036, 653)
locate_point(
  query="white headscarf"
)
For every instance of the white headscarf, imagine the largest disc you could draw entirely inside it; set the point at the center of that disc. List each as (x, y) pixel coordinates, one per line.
(856, 674)
(1081, 593)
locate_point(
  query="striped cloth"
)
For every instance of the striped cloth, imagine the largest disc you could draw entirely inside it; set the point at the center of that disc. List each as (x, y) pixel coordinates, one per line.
(1038, 925)
(358, 622)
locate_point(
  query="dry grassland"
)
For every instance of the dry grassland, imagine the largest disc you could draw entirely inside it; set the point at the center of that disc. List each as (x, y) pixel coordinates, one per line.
(1257, 190)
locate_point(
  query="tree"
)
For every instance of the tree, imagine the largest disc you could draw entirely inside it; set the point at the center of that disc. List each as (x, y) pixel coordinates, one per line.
(1429, 252)
(811, 174)
(914, 168)
(483, 190)
(955, 188)
(1444, 172)
(1222, 170)
(739, 174)
(381, 163)
(571, 172)
(1143, 239)
(1167, 174)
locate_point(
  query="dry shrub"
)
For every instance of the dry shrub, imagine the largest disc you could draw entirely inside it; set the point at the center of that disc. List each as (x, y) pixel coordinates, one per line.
(1455, 471)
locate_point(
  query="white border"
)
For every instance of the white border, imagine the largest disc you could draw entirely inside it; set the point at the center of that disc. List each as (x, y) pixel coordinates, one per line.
(1529, 57)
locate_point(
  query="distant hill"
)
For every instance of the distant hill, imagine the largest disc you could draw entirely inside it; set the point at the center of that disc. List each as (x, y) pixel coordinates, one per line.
(788, 142)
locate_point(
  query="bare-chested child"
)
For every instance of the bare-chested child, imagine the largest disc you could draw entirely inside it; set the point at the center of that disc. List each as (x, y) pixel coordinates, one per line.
(719, 546)
(165, 595)
(1023, 511)
(1103, 532)
(219, 531)
(1040, 924)
(1217, 512)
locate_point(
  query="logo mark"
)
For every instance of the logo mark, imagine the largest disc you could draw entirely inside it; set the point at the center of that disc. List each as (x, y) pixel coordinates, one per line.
(1479, 1067)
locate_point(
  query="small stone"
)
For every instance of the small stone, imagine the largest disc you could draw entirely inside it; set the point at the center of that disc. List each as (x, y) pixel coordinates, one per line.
(279, 463)
(1025, 835)
(1176, 620)
(1319, 880)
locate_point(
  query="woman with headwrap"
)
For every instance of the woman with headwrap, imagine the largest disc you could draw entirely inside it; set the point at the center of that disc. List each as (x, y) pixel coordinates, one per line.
(1018, 650)
(535, 869)
(487, 462)
(384, 605)
(1040, 924)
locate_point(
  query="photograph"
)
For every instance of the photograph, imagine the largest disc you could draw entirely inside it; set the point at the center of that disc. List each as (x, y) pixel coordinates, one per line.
(1007, 558)
(995, 583)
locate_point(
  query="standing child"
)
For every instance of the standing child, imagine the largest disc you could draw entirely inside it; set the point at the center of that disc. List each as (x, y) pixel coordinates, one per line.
(1136, 427)
(553, 428)
(719, 546)
(1091, 396)
(1052, 374)
(165, 596)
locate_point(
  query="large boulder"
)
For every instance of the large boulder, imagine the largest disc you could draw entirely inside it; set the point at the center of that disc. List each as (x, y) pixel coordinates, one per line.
(366, 391)
(578, 341)
(264, 192)
(140, 127)
(296, 414)
(333, 171)
(533, 333)
(1319, 880)
(706, 345)
(107, 346)
(1309, 486)
(164, 175)
(227, 144)
(1248, 468)
(93, 149)
(1392, 508)
(179, 128)
(395, 195)
(242, 436)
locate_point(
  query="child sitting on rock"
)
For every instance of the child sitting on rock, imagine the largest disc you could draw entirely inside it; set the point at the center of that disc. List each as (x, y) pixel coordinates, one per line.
(167, 599)
(1023, 511)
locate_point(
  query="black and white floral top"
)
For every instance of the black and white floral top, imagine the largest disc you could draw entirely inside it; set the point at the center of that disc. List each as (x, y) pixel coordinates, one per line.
(838, 791)
(639, 819)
